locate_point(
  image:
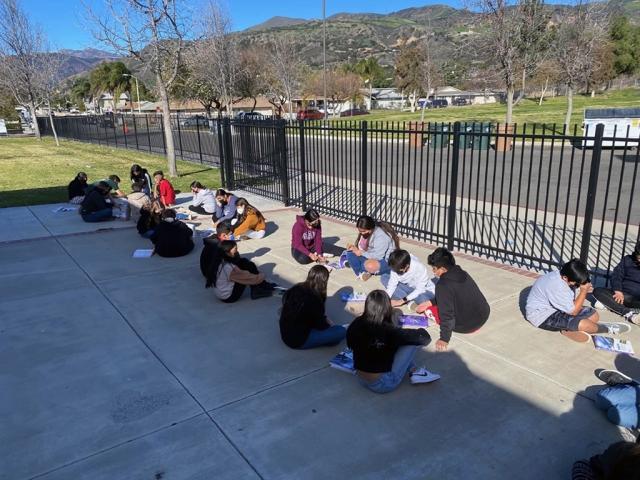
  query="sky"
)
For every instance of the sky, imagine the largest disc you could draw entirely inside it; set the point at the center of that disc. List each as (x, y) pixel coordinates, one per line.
(62, 20)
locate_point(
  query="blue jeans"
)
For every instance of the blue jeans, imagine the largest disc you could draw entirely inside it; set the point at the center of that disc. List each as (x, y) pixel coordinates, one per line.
(357, 264)
(318, 338)
(147, 234)
(622, 404)
(389, 381)
(404, 290)
(98, 216)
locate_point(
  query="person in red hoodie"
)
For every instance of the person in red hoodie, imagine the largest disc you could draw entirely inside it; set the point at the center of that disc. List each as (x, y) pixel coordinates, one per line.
(163, 190)
(306, 238)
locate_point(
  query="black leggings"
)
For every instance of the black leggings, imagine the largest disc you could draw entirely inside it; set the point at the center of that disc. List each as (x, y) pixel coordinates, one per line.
(300, 257)
(238, 290)
(605, 296)
(199, 210)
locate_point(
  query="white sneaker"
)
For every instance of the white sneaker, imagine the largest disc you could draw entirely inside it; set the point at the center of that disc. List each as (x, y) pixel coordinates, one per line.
(422, 375)
(598, 305)
(613, 328)
(328, 255)
(633, 317)
(412, 306)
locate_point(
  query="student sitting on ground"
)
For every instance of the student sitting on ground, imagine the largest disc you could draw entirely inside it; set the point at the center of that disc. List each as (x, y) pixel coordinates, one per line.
(620, 461)
(251, 223)
(623, 297)
(136, 201)
(95, 208)
(408, 281)
(375, 242)
(78, 189)
(225, 207)
(203, 203)
(383, 352)
(211, 244)
(163, 190)
(303, 323)
(461, 305)
(113, 181)
(621, 400)
(228, 280)
(172, 238)
(306, 238)
(552, 304)
(150, 218)
(141, 175)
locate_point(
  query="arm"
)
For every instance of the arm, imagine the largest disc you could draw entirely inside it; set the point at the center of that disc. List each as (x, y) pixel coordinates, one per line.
(318, 242)
(579, 301)
(249, 224)
(197, 199)
(230, 214)
(393, 283)
(447, 313)
(407, 336)
(296, 239)
(617, 276)
(244, 277)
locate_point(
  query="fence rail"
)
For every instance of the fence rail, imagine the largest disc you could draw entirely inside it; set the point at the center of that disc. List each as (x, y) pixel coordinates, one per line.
(530, 195)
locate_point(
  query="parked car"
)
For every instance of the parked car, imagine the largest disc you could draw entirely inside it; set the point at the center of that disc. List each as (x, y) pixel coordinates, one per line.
(108, 120)
(196, 120)
(250, 115)
(310, 114)
(439, 103)
(353, 112)
(458, 102)
(330, 110)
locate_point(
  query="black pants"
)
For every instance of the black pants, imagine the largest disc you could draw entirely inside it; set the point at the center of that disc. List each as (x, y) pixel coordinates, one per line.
(605, 296)
(238, 290)
(199, 210)
(300, 257)
(249, 266)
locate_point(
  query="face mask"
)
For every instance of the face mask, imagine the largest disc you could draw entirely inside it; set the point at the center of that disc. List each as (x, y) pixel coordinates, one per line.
(223, 203)
(240, 211)
(366, 235)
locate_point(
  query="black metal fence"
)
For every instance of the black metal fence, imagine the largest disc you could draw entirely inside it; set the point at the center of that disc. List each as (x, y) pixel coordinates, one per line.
(528, 195)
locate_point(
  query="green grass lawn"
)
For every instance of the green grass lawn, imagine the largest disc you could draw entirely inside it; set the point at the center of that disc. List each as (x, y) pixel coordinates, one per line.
(552, 110)
(33, 172)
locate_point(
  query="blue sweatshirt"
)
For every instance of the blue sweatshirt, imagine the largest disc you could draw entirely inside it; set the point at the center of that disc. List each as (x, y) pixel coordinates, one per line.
(625, 277)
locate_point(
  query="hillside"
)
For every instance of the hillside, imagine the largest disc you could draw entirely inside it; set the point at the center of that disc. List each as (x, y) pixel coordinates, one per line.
(275, 22)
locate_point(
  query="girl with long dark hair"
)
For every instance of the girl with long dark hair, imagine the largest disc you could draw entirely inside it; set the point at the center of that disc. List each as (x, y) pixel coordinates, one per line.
(382, 351)
(228, 280)
(225, 207)
(141, 175)
(376, 240)
(306, 238)
(203, 203)
(303, 323)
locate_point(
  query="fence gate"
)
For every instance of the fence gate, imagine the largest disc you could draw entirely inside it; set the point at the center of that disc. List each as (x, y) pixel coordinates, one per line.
(255, 157)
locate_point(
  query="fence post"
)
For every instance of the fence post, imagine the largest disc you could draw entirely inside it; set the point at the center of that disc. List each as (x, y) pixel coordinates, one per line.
(221, 155)
(199, 141)
(364, 154)
(164, 140)
(284, 163)
(135, 130)
(125, 129)
(453, 194)
(228, 154)
(303, 167)
(591, 193)
(146, 117)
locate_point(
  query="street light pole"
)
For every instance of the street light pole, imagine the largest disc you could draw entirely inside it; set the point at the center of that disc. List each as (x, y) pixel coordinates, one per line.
(324, 59)
(137, 90)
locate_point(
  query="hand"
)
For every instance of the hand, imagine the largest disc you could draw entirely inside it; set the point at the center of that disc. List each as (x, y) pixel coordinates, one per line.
(350, 246)
(585, 287)
(321, 259)
(618, 297)
(397, 303)
(313, 257)
(329, 321)
(218, 203)
(422, 307)
(357, 251)
(215, 224)
(118, 206)
(441, 345)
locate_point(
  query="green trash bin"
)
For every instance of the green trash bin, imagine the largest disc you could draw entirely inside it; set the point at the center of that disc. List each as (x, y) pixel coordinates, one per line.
(466, 137)
(481, 142)
(438, 139)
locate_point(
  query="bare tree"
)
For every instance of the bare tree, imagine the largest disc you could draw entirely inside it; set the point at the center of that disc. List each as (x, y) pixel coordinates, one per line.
(153, 31)
(341, 86)
(49, 70)
(21, 45)
(284, 73)
(217, 56)
(579, 37)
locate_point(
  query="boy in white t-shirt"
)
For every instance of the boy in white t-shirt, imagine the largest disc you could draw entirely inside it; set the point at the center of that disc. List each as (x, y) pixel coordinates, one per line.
(552, 305)
(408, 281)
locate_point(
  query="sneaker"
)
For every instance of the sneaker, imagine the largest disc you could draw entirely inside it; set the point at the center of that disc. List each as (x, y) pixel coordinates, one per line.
(633, 316)
(364, 276)
(614, 377)
(422, 375)
(346, 265)
(614, 328)
(580, 337)
(328, 255)
(257, 292)
(412, 306)
(598, 305)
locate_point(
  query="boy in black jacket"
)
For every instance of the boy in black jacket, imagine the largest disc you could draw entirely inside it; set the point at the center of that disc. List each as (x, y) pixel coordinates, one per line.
(462, 307)
(623, 297)
(172, 238)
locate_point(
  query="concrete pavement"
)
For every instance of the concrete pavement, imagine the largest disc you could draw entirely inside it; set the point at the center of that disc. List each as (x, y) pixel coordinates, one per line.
(114, 367)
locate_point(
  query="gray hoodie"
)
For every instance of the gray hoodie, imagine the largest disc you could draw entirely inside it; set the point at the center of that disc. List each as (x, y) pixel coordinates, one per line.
(380, 245)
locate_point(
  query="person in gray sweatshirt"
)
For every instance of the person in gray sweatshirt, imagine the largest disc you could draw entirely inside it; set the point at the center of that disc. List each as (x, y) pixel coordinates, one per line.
(203, 203)
(375, 242)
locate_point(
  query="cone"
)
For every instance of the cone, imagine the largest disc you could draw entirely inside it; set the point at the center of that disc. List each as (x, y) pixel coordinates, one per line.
(126, 129)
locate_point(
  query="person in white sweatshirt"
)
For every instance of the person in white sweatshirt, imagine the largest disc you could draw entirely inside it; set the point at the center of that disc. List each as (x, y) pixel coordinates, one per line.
(204, 202)
(408, 280)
